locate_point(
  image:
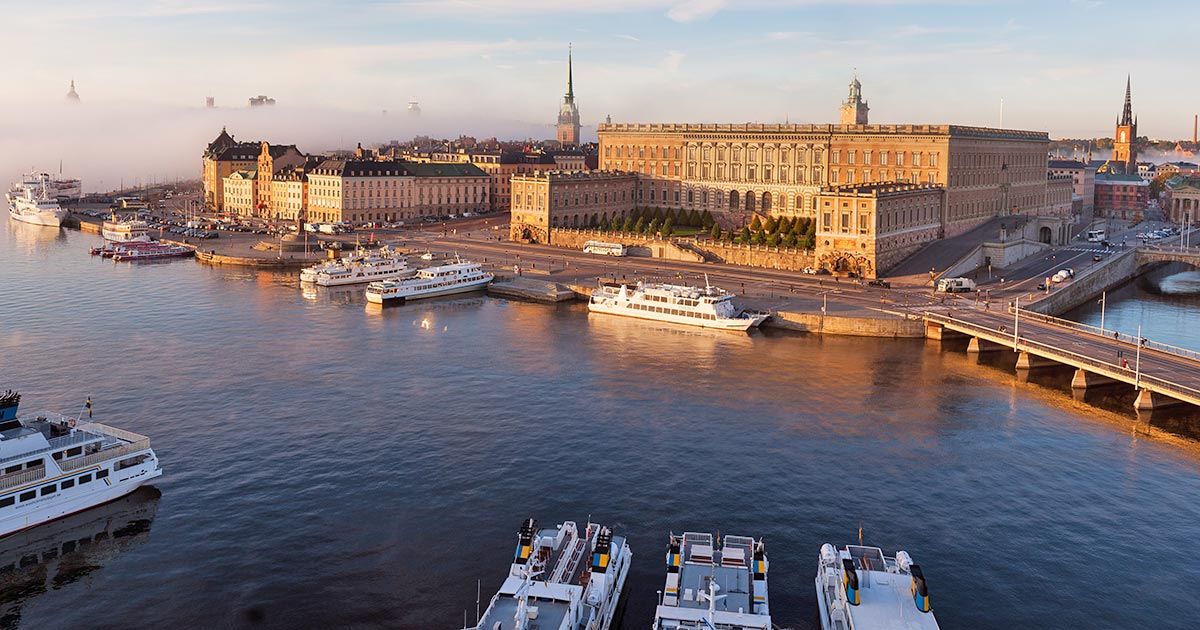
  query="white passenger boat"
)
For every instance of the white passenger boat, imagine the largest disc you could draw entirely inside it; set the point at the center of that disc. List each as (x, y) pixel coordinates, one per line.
(458, 277)
(53, 465)
(709, 307)
(714, 586)
(360, 268)
(560, 579)
(858, 588)
(33, 200)
(125, 229)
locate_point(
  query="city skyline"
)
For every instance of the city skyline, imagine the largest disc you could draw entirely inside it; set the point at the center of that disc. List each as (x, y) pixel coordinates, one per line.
(687, 61)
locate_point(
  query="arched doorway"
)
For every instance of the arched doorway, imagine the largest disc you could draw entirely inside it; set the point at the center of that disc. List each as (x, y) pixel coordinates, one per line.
(749, 202)
(733, 200)
(1045, 234)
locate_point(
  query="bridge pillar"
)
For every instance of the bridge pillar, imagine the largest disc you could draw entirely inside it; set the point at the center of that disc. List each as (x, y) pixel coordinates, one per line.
(1150, 401)
(1087, 380)
(982, 345)
(1029, 361)
(934, 330)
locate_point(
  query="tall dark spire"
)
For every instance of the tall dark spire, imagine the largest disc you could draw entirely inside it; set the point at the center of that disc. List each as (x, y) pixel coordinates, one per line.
(1127, 113)
(570, 79)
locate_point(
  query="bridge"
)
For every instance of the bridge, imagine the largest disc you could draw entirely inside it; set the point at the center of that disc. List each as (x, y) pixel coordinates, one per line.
(1150, 254)
(1162, 375)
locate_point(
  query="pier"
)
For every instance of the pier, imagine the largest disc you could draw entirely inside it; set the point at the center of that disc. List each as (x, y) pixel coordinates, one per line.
(1162, 375)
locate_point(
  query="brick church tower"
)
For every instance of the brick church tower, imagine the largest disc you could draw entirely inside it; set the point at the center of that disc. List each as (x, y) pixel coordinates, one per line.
(1124, 147)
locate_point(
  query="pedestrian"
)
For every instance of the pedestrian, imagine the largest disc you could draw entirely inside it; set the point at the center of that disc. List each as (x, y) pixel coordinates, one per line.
(1125, 363)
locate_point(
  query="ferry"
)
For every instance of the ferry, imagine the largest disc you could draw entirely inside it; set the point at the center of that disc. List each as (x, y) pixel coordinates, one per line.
(560, 579)
(714, 586)
(33, 200)
(709, 306)
(125, 230)
(358, 269)
(858, 588)
(54, 465)
(156, 252)
(458, 277)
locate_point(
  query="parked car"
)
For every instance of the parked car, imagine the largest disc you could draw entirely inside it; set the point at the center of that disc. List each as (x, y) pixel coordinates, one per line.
(883, 284)
(1097, 257)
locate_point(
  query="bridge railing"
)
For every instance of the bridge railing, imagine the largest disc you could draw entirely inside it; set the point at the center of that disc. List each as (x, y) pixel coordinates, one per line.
(1052, 352)
(1108, 334)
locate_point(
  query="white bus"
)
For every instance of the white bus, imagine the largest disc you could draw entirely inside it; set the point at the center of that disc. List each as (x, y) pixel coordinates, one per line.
(1096, 236)
(607, 249)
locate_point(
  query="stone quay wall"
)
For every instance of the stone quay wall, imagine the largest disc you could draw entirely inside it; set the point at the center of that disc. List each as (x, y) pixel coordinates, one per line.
(690, 250)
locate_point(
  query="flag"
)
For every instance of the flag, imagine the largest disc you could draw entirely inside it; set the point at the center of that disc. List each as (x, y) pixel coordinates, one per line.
(88, 404)
(860, 533)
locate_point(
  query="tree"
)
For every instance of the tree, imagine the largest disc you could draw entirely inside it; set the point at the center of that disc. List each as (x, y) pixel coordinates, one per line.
(628, 225)
(790, 241)
(606, 225)
(1158, 183)
(770, 225)
(715, 234)
(744, 237)
(785, 226)
(799, 225)
(810, 231)
(773, 240)
(694, 219)
(759, 238)
(706, 219)
(670, 216)
(658, 215)
(667, 228)
(653, 227)
(640, 226)
(756, 224)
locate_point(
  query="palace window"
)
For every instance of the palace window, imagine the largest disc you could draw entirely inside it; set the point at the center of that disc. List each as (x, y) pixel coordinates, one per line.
(851, 157)
(916, 159)
(837, 157)
(752, 154)
(933, 159)
(769, 154)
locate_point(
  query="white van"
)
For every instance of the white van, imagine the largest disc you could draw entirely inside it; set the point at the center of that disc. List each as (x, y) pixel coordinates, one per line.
(956, 285)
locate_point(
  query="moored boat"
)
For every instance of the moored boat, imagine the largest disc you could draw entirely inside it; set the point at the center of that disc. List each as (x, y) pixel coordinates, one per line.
(708, 306)
(560, 578)
(359, 268)
(858, 588)
(458, 277)
(714, 586)
(162, 250)
(33, 200)
(125, 229)
(52, 465)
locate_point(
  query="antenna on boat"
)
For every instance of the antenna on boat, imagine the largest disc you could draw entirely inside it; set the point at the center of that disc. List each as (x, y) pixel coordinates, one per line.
(477, 586)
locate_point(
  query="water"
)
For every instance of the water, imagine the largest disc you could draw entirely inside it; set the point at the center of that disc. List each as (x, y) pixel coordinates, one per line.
(327, 465)
(1165, 303)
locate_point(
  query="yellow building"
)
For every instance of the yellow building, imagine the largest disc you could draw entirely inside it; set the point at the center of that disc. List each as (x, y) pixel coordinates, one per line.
(568, 199)
(867, 228)
(361, 190)
(239, 192)
(223, 157)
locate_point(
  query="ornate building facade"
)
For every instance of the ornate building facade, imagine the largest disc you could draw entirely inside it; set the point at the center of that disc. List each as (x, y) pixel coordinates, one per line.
(568, 114)
(1125, 138)
(568, 199)
(222, 157)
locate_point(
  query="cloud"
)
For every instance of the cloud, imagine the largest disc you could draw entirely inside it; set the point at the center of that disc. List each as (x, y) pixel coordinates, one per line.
(692, 10)
(672, 61)
(628, 37)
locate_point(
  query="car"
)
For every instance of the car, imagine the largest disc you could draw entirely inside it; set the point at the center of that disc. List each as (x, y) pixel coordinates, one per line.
(812, 271)
(883, 284)
(1041, 286)
(428, 255)
(1097, 257)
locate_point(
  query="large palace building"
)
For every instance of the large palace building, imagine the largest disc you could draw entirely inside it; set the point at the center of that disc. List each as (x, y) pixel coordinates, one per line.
(781, 169)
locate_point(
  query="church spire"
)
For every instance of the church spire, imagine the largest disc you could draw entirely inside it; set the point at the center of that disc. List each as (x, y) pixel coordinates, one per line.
(1127, 113)
(570, 79)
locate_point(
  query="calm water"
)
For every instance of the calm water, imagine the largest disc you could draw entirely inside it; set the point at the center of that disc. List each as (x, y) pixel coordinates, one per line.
(327, 465)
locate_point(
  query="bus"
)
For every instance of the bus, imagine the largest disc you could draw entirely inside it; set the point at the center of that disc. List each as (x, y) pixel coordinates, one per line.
(607, 249)
(1096, 236)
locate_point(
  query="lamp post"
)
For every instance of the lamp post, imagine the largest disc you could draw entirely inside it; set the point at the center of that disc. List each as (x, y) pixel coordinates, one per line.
(1103, 300)
(1137, 362)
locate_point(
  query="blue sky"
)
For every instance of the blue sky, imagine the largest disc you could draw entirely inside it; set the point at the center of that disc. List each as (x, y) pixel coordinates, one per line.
(1052, 62)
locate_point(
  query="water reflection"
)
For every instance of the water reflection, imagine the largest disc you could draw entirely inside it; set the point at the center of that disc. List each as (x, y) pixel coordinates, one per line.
(58, 554)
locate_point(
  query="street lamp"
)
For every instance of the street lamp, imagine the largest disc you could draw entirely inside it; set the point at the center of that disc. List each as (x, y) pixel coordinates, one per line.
(1137, 362)
(1016, 321)
(1103, 300)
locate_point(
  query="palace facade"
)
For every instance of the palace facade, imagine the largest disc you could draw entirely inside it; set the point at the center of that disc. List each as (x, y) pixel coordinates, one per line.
(568, 199)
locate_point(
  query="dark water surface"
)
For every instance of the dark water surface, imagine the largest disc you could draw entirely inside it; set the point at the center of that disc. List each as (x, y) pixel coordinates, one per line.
(327, 465)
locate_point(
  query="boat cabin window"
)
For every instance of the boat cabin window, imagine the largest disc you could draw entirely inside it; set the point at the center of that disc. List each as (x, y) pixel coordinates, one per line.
(7, 501)
(72, 452)
(85, 479)
(100, 474)
(28, 496)
(34, 463)
(12, 469)
(57, 455)
(68, 483)
(50, 489)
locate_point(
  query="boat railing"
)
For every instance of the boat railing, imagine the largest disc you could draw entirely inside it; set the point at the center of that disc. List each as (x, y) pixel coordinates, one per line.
(104, 455)
(120, 434)
(22, 477)
(71, 439)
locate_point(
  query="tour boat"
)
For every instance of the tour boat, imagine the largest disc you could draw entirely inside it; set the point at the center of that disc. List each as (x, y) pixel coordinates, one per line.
(560, 578)
(108, 250)
(360, 268)
(159, 251)
(55, 465)
(714, 586)
(709, 306)
(458, 277)
(125, 230)
(33, 200)
(858, 588)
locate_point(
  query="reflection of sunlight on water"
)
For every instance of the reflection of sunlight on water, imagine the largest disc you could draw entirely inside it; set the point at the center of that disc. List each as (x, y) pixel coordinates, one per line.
(1186, 283)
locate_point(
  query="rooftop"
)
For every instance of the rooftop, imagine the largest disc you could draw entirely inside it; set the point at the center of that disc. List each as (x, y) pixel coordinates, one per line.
(933, 130)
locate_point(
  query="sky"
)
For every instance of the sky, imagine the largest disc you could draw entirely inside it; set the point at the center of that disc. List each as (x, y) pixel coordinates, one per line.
(498, 68)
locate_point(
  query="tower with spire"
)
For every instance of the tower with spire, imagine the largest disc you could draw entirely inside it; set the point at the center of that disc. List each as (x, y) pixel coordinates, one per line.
(568, 113)
(72, 95)
(1125, 138)
(854, 109)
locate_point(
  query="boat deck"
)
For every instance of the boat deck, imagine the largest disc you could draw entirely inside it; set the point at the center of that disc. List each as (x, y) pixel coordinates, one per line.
(885, 596)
